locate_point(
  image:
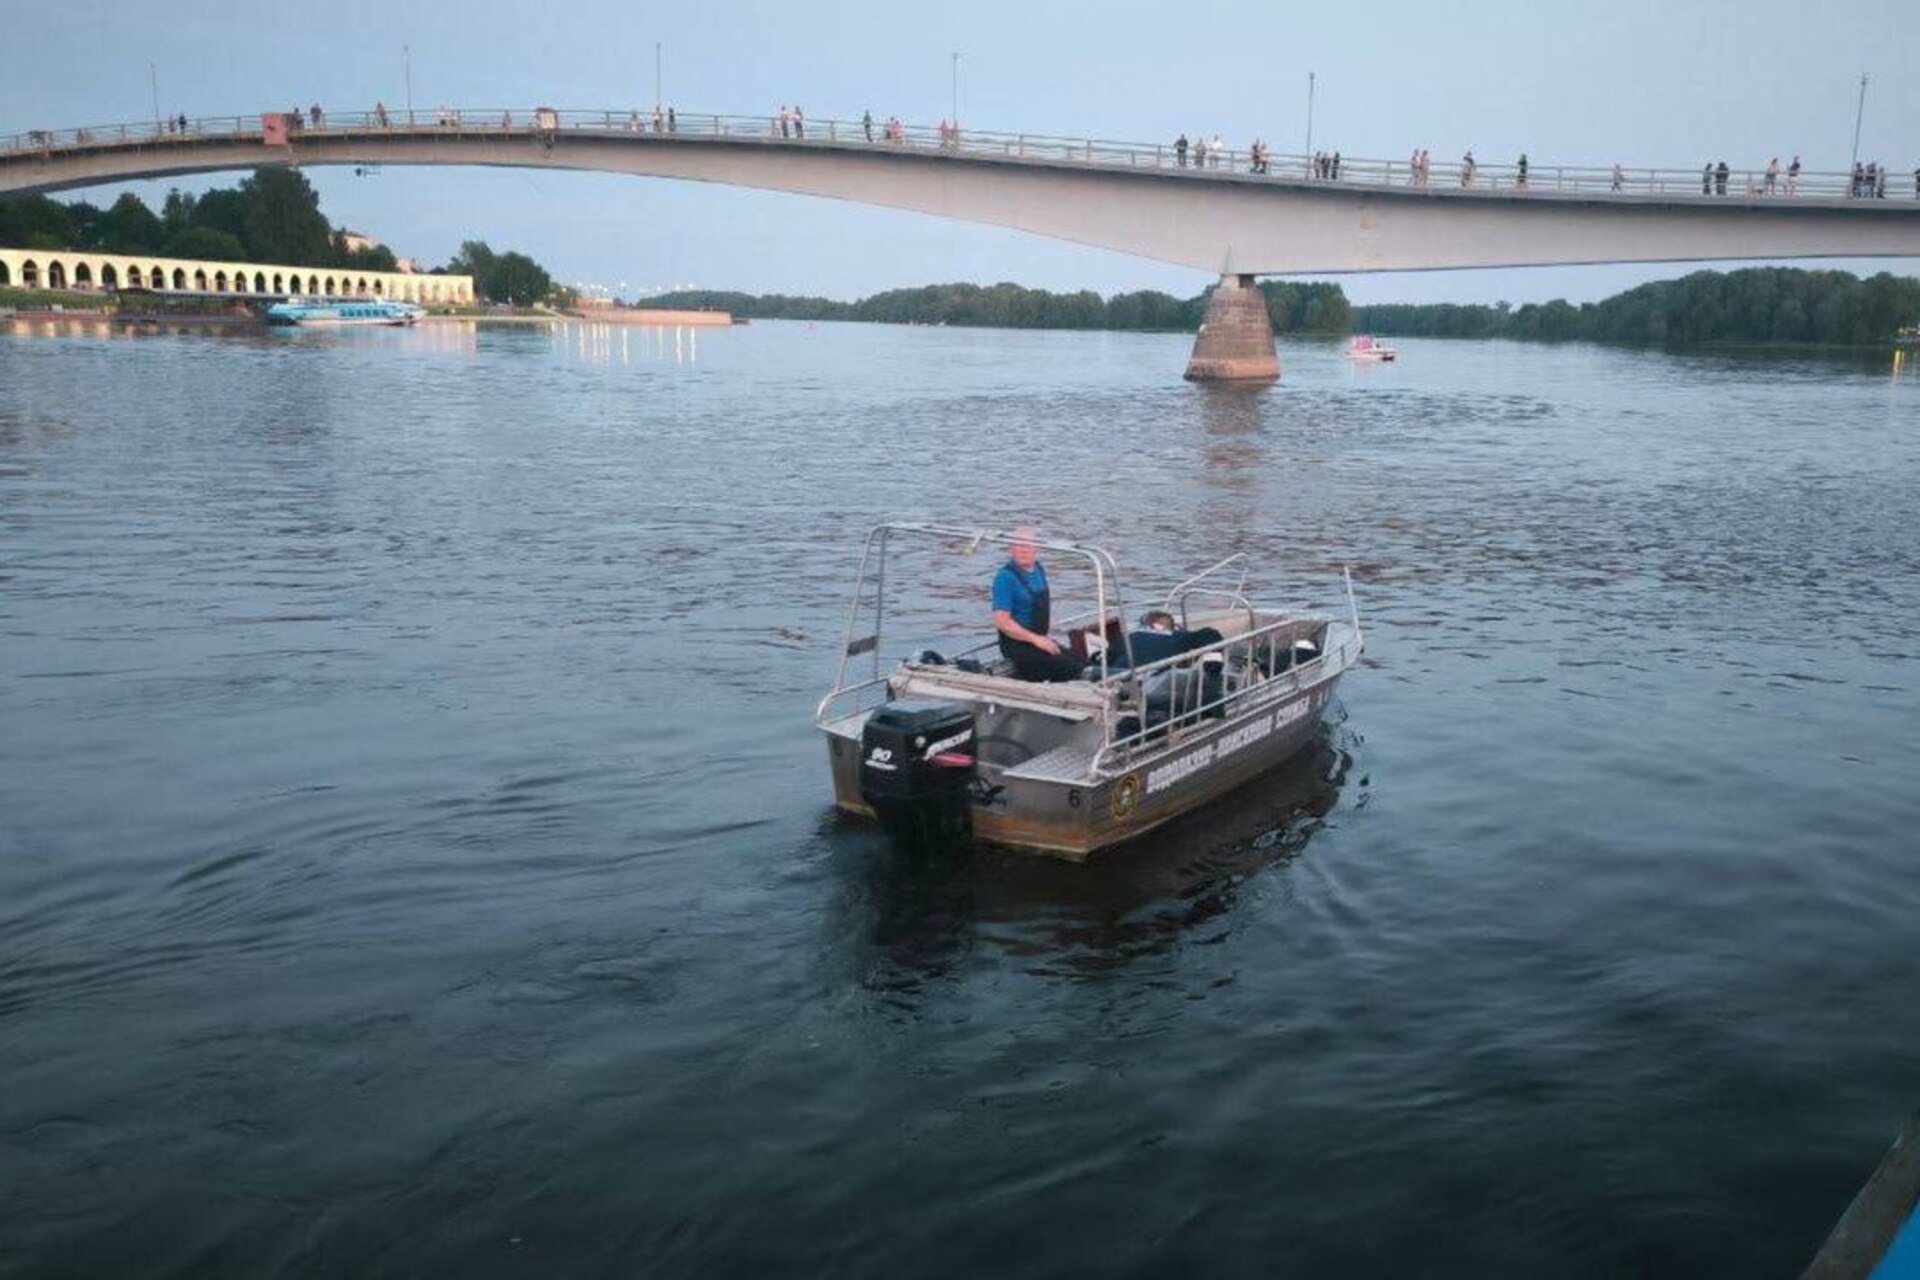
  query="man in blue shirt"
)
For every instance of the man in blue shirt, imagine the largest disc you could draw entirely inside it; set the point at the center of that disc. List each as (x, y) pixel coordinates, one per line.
(1022, 612)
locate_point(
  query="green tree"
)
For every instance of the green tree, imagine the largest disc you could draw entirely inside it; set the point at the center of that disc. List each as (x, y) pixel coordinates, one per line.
(128, 226)
(225, 209)
(206, 243)
(474, 259)
(518, 279)
(282, 219)
(35, 222)
(376, 257)
(176, 214)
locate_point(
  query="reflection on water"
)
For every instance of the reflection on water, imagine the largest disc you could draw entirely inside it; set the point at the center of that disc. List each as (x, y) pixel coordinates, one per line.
(923, 915)
(624, 344)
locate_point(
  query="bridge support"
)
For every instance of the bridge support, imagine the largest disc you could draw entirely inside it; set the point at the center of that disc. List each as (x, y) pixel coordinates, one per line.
(1236, 342)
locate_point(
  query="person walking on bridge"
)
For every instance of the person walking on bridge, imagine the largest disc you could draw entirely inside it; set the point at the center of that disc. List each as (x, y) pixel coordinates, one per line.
(1720, 174)
(316, 115)
(785, 119)
(1520, 172)
(1773, 174)
(380, 114)
(1619, 176)
(1467, 167)
(1793, 176)
(866, 124)
(1180, 150)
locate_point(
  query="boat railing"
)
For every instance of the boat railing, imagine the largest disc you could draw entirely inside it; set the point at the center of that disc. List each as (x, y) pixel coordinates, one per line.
(1169, 698)
(867, 613)
(852, 700)
(1235, 596)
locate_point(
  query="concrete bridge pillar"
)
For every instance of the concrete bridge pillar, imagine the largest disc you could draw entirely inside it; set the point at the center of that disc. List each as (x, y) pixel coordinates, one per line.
(1236, 341)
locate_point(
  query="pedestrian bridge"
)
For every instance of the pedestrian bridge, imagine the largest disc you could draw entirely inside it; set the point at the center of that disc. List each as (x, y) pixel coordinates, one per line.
(1141, 199)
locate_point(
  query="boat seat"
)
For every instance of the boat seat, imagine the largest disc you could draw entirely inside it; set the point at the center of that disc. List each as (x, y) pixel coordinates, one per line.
(1070, 700)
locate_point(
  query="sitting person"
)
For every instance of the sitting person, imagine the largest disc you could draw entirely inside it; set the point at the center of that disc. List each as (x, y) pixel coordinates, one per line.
(1022, 611)
(1159, 637)
(1180, 688)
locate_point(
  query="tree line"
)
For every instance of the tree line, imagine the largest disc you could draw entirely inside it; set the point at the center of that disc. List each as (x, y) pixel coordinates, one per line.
(506, 277)
(272, 216)
(1760, 305)
(1296, 307)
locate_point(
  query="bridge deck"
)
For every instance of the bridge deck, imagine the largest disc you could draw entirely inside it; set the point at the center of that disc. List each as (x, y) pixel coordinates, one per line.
(1444, 178)
(1235, 215)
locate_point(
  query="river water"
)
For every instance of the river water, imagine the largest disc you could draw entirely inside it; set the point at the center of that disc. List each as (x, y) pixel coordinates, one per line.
(415, 855)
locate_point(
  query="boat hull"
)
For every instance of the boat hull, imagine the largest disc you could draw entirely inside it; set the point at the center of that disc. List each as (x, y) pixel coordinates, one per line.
(1076, 820)
(389, 323)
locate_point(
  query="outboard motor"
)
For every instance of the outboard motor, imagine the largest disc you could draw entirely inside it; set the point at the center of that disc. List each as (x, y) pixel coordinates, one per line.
(916, 772)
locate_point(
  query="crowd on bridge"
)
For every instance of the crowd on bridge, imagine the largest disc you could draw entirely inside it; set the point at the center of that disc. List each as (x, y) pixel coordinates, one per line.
(1868, 180)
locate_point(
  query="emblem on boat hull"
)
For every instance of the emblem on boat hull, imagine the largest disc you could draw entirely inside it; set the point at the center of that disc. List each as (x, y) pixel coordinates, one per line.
(1126, 796)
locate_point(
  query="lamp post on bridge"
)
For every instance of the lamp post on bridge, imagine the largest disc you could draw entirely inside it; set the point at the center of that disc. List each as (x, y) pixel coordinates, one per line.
(1858, 112)
(956, 89)
(406, 57)
(153, 78)
(656, 77)
(1309, 151)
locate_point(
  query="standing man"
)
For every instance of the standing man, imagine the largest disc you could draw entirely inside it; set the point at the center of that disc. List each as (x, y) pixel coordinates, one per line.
(866, 124)
(1022, 612)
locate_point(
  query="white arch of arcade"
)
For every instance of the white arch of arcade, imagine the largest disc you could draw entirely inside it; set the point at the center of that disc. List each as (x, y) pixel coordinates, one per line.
(88, 272)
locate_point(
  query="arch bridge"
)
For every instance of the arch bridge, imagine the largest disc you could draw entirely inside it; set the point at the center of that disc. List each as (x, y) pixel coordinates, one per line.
(1223, 210)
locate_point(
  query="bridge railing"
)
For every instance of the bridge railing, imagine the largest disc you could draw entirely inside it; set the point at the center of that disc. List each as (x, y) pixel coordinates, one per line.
(1199, 161)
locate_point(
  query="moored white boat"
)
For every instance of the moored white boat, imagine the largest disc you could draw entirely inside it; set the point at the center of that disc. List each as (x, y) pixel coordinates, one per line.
(335, 312)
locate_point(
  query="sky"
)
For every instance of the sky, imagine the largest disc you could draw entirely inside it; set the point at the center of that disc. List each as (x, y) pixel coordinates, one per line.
(1568, 81)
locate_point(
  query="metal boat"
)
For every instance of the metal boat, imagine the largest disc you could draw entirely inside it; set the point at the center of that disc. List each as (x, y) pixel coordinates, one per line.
(326, 311)
(1366, 348)
(947, 749)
